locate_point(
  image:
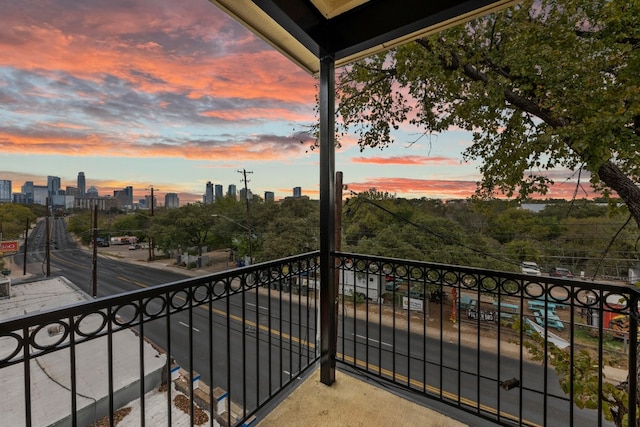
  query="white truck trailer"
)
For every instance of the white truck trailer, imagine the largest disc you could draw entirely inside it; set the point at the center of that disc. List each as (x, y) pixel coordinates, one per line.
(360, 284)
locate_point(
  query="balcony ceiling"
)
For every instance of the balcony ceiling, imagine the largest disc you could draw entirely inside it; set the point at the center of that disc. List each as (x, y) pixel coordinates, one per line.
(348, 30)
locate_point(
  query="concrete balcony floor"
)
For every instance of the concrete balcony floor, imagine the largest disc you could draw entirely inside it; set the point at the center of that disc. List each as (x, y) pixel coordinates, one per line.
(350, 401)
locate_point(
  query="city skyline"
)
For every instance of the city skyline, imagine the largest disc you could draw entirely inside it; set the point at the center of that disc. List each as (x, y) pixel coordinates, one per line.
(126, 194)
(174, 95)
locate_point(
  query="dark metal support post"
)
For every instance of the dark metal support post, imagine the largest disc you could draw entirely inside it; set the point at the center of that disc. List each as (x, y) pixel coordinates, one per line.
(24, 249)
(328, 327)
(94, 263)
(633, 359)
(48, 250)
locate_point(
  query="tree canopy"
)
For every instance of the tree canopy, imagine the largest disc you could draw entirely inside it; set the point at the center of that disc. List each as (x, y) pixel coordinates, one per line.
(543, 85)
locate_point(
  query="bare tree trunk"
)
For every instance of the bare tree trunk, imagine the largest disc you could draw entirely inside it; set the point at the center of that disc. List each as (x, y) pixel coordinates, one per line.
(628, 191)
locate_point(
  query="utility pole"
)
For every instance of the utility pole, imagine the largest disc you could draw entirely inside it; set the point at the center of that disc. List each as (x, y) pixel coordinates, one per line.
(246, 197)
(151, 244)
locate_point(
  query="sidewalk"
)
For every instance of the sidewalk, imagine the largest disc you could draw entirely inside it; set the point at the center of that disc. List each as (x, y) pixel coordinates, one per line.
(218, 260)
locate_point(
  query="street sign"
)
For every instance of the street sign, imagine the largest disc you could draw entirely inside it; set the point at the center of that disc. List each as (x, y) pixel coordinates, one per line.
(9, 246)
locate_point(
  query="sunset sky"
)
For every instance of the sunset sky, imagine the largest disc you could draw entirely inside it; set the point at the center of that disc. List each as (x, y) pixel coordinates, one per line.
(172, 94)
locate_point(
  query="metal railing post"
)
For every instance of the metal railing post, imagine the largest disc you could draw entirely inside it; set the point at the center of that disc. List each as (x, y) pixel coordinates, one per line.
(328, 331)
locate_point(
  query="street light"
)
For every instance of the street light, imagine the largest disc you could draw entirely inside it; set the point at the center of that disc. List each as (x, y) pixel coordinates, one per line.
(249, 234)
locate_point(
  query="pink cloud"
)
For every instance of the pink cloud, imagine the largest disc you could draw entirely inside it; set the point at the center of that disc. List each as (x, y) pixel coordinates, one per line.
(454, 189)
(406, 160)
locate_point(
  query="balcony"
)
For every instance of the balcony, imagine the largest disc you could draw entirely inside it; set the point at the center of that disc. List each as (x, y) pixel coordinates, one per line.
(241, 347)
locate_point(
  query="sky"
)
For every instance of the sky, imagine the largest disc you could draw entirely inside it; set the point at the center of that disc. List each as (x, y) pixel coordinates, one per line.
(173, 94)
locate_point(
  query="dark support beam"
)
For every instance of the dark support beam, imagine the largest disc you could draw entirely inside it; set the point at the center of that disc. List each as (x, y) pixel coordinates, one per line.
(328, 326)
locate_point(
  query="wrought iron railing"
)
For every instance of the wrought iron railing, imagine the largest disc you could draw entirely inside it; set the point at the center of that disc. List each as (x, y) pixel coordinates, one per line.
(229, 342)
(232, 342)
(467, 337)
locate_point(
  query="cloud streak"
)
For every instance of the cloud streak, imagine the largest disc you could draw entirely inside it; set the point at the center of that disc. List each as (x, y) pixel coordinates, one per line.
(456, 189)
(407, 160)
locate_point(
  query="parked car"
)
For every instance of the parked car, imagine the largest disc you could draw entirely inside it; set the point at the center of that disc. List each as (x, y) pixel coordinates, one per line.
(392, 286)
(530, 267)
(560, 272)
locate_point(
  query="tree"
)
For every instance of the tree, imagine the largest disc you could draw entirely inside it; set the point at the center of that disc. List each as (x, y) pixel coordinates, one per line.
(288, 228)
(543, 85)
(546, 84)
(190, 226)
(13, 218)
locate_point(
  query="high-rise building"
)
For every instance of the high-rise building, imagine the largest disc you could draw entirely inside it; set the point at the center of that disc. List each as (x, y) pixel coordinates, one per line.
(269, 196)
(297, 191)
(5, 190)
(232, 191)
(218, 192)
(171, 201)
(208, 194)
(82, 185)
(27, 188)
(246, 194)
(124, 197)
(40, 194)
(151, 204)
(53, 185)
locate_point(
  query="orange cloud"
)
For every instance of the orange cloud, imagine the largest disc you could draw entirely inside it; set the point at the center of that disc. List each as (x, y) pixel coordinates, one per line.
(453, 189)
(266, 147)
(118, 44)
(406, 160)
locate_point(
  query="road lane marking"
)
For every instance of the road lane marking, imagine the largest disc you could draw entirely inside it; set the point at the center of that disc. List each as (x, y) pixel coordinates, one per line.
(186, 326)
(374, 340)
(260, 306)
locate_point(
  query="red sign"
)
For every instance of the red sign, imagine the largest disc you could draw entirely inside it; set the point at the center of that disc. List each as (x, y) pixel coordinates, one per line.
(9, 246)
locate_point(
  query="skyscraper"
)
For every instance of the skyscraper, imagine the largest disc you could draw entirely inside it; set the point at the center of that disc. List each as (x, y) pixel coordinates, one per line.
(171, 201)
(208, 194)
(232, 190)
(5, 190)
(246, 194)
(218, 192)
(82, 185)
(297, 191)
(53, 185)
(269, 196)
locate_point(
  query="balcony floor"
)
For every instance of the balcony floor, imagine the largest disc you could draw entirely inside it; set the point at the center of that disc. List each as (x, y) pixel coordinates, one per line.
(350, 401)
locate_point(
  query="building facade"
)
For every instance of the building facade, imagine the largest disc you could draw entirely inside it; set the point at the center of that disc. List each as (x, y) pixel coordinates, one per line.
(171, 201)
(208, 194)
(232, 191)
(218, 192)
(5, 190)
(82, 185)
(103, 203)
(53, 185)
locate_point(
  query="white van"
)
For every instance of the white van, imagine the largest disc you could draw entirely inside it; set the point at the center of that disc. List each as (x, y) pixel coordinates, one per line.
(530, 267)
